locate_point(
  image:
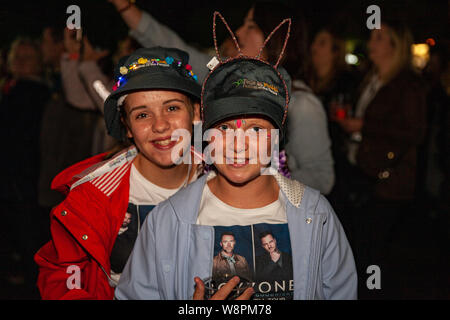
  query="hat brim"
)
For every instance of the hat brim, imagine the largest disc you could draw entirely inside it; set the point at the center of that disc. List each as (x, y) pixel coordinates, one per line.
(144, 81)
(239, 106)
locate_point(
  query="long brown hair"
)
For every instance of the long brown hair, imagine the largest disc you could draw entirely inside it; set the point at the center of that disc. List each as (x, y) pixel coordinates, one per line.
(338, 48)
(267, 15)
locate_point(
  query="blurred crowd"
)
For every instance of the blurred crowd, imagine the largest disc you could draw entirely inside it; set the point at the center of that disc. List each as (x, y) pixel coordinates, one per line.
(374, 138)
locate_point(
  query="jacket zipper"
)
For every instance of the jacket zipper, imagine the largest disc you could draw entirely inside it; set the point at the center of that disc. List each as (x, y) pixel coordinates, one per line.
(138, 219)
(315, 257)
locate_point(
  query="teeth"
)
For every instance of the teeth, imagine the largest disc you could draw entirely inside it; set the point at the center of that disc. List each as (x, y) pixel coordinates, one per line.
(236, 160)
(163, 142)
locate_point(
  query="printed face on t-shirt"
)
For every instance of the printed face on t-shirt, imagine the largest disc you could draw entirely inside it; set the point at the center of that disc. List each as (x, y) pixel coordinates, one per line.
(152, 118)
(269, 243)
(126, 220)
(228, 244)
(255, 258)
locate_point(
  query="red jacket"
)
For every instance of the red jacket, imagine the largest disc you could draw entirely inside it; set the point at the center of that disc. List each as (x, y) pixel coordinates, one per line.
(84, 227)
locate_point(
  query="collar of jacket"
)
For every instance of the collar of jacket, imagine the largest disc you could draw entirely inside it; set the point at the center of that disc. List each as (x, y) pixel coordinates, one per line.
(125, 156)
(122, 159)
(292, 190)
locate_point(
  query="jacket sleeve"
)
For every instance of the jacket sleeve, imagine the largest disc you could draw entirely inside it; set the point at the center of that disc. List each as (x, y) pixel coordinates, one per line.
(337, 268)
(138, 280)
(309, 147)
(151, 33)
(96, 83)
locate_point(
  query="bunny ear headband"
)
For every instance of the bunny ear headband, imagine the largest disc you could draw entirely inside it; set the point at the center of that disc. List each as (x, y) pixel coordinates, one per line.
(243, 84)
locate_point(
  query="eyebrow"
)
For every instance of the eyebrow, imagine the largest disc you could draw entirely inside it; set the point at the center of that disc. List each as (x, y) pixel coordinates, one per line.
(164, 103)
(174, 100)
(137, 108)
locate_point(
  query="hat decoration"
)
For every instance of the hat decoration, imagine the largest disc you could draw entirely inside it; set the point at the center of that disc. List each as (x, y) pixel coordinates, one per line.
(218, 61)
(144, 62)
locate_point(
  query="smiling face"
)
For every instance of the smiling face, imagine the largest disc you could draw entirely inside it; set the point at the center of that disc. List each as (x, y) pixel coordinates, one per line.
(250, 36)
(244, 142)
(151, 118)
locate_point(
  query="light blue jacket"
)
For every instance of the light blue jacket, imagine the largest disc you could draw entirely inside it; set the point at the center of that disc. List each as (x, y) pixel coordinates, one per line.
(172, 249)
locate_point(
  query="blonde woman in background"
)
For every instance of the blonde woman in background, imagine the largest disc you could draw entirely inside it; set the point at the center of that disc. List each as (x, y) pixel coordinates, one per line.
(387, 127)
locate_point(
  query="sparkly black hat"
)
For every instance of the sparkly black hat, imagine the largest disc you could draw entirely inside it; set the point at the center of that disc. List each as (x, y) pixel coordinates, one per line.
(146, 69)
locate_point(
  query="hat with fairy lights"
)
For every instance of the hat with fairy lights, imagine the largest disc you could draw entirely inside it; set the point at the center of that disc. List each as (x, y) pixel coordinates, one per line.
(147, 69)
(245, 86)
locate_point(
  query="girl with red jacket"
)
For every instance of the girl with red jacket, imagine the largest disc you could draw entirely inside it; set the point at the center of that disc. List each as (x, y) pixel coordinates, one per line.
(95, 227)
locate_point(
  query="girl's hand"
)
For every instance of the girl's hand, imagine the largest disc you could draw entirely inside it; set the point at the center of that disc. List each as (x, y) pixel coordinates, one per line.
(90, 54)
(71, 45)
(119, 4)
(223, 292)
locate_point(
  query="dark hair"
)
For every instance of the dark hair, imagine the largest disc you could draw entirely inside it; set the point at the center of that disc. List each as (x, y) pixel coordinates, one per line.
(227, 233)
(267, 15)
(56, 32)
(338, 48)
(265, 234)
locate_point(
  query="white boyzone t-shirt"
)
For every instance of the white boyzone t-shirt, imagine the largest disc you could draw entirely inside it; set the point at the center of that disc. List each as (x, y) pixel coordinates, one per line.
(214, 212)
(143, 192)
(243, 240)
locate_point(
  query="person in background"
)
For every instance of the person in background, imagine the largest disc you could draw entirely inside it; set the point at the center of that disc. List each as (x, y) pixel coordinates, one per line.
(22, 103)
(433, 181)
(149, 32)
(126, 46)
(52, 48)
(335, 85)
(433, 176)
(329, 75)
(66, 132)
(87, 82)
(387, 127)
(308, 146)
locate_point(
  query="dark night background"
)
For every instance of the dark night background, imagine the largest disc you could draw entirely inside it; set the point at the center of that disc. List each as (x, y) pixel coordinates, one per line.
(193, 19)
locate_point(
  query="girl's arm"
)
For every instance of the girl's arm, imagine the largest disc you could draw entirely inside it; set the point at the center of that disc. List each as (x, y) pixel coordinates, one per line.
(149, 33)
